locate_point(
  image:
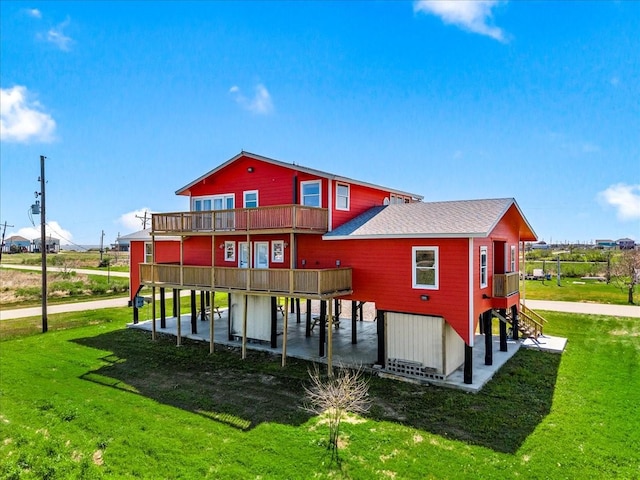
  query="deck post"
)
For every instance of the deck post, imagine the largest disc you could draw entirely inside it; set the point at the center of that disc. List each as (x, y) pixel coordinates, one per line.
(274, 320)
(211, 325)
(244, 326)
(307, 327)
(176, 301)
(203, 307)
(285, 322)
(354, 322)
(194, 314)
(323, 327)
(176, 307)
(135, 314)
(503, 331)
(468, 364)
(163, 309)
(229, 317)
(153, 313)
(514, 317)
(298, 317)
(487, 318)
(330, 342)
(380, 324)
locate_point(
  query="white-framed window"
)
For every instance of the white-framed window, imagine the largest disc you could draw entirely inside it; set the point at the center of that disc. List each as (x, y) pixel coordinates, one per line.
(342, 196)
(512, 259)
(277, 251)
(311, 193)
(250, 199)
(483, 267)
(200, 204)
(229, 251)
(425, 267)
(148, 252)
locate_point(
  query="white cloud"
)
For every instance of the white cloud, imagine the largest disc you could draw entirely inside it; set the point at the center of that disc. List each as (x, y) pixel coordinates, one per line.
(22, 120)
(624, 198)
(471, 15)
(52, 229)
(34, 12)
(260, 104)
(133, 221)
(57, 36)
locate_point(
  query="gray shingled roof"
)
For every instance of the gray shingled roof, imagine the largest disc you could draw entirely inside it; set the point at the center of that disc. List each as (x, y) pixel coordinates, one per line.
(466, 218)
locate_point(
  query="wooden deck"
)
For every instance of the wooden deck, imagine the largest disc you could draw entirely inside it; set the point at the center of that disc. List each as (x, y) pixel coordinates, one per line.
(275, 219)
(307, 283)
(506, 284)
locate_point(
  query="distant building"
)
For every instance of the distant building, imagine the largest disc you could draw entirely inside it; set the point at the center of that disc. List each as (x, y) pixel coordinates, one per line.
(52, 245)
(541, 245)
(16, 244)
(626, 244)
(606, 243)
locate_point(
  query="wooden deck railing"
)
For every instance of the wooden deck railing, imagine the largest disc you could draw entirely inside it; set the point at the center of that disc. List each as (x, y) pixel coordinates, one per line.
(313, 283)
(505, 284)
(283, 217)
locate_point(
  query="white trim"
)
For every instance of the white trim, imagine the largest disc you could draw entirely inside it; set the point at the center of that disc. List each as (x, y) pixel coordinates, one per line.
(309, 182)
(484, 250)
(348, 187)
(330, 203)
(471, 305)
(244, 198)
(436, 268)
(405, 235)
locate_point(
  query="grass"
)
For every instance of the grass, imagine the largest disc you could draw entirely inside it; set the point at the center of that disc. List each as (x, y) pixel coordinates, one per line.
(572, 290)
(102, 401)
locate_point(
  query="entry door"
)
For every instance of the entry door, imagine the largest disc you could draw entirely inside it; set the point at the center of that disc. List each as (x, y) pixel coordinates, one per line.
(243, 256)
(261, 255)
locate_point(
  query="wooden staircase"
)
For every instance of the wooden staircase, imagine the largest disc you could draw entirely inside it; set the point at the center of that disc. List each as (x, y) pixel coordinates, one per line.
(530, 323)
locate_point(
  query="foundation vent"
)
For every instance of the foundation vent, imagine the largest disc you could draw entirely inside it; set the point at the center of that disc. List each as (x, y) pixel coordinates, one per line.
(412, 369)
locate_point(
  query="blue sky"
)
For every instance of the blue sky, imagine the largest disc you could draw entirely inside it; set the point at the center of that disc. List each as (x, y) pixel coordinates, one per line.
(451, 100)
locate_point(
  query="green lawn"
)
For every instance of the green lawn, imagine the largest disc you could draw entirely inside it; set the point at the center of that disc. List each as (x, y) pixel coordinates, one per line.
(101, 401)
(575, 290)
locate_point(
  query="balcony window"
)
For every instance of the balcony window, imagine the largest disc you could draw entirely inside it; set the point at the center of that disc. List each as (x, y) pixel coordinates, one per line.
(311, 193)
(251, 199)
(229, 251)
(342, 197)
(425, 267)
(277, 251)
(148, 252)
(512, 263)
(483, 267)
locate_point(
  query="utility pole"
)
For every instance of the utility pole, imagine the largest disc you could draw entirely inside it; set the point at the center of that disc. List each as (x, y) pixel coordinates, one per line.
(144, 219)
(43, 246)
(4, 230)
(101, 246)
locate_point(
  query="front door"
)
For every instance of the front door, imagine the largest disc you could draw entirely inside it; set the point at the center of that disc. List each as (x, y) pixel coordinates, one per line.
(243, 256)
(261, 259)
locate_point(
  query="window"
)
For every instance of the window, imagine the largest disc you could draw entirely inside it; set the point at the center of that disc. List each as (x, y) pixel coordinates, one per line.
(311, 193)
(148, 252)
(425, 267)
(342, 197)
(251, 199)
(201, 204)
(512, 263)
(277, 251)
(483, 267)
(229, 251)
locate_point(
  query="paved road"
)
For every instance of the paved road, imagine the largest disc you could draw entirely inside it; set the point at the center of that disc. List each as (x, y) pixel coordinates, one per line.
(569, 307)
(588, 308)
(84, 271)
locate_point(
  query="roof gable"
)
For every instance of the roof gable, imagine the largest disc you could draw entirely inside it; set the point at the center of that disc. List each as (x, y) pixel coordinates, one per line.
(466, 218)
(292, 166)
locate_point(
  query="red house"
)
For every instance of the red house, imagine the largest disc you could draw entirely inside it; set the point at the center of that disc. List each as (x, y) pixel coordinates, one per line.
(259, 228)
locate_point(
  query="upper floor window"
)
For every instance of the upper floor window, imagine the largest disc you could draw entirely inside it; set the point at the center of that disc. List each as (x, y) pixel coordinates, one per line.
(483, 267)
(512, 262)
(201, 204)
(311, 193)
(251, 199)
(425, 267)
(342, 197)
(229, 251)
(277, 251)
(148, 252)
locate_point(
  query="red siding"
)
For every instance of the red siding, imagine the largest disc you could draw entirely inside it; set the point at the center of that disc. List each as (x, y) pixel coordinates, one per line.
(361, 199)
(382, 273)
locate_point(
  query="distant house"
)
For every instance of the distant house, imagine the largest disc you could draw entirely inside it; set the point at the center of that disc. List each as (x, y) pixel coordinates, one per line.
(607, 243)
(626, 244)
(16, 244)
(52, 245)
(541, 245)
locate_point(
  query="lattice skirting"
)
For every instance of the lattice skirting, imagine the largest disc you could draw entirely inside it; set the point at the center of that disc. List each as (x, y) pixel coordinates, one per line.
(412, 369)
